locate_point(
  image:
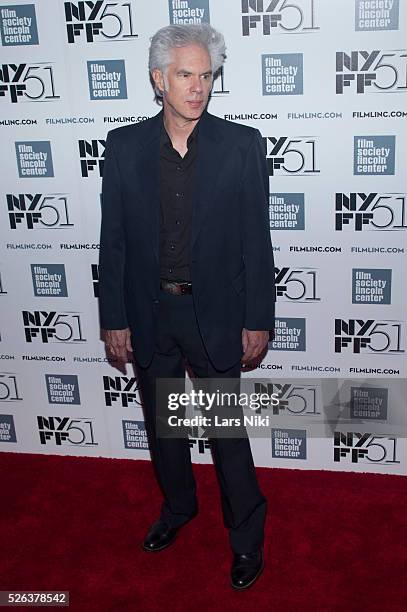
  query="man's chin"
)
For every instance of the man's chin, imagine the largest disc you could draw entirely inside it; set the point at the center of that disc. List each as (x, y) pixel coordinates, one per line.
(196, 116)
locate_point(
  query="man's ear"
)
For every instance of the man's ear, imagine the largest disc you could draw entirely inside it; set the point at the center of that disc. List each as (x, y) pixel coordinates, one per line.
(158, 79)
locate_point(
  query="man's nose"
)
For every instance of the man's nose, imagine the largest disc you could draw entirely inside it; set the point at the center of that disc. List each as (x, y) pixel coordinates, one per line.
(196, 84)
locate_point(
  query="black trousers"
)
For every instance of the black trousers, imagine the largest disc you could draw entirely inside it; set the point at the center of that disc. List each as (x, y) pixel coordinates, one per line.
(243, 505)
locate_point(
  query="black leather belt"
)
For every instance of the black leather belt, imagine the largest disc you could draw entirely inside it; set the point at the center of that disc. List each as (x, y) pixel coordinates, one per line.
(175, 288)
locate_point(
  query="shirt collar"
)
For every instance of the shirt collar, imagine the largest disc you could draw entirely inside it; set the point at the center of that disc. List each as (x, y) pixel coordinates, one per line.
(166, 140)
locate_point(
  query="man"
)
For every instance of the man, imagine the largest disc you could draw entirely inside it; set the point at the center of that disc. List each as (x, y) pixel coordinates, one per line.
(187, 273)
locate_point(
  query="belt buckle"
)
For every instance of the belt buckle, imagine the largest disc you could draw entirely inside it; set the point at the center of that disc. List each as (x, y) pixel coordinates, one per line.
(185, 288)
(173, 288)
(176, 288)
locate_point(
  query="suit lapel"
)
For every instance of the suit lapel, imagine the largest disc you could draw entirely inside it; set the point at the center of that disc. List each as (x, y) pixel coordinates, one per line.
(208, 166)
(149, 168)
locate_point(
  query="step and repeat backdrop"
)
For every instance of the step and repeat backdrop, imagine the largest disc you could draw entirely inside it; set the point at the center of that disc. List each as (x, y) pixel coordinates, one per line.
(325, 81)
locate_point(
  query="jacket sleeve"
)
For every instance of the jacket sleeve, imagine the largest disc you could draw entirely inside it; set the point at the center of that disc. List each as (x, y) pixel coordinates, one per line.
(112, 246)
(257, 247)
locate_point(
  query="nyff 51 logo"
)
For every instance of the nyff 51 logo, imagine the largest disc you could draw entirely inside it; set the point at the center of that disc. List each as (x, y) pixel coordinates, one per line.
(121, 389)
(291, 155)
(92, 156)
(201, 444)
(296, 284)
(38, 210)
(370, 211)
(378, 71)
(364, 447)
(370, 336)
(65, 431)
(283, 16)
(292, 399)
(99, 20)
(219, 85)
(28, 82)
(52, 326)
(9, 388)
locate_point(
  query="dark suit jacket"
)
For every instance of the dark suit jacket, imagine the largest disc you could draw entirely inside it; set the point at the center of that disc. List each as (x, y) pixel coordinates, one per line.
(231, 256)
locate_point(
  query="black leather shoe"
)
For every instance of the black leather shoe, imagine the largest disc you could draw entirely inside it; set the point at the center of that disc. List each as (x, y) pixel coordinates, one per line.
(246, 569)
(159, 537)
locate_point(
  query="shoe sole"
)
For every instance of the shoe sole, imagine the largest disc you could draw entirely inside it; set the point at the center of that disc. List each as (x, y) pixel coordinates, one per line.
(153, 550)
(243, 588)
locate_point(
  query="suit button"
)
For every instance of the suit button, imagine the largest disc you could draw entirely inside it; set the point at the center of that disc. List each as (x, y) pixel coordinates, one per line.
(156, 301)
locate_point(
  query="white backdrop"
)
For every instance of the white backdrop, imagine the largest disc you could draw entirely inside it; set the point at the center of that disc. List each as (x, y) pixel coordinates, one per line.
(325, 83)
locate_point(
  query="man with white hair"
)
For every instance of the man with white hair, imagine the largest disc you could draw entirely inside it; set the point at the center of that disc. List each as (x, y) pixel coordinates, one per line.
(187, 272)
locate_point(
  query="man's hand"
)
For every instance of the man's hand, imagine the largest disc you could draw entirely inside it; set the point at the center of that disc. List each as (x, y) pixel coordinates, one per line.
(118, 343)
(254, 343)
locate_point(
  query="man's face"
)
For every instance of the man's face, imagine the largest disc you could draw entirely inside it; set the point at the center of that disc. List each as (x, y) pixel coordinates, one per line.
(187, 82)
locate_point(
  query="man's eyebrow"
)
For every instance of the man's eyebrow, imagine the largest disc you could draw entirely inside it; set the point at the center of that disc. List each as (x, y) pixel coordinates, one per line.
(184, 71)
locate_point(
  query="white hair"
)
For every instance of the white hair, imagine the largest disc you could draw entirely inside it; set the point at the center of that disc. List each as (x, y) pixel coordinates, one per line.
(175, 36)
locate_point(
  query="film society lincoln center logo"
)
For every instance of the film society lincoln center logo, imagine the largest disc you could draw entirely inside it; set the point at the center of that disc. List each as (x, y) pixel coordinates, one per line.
(368, 403)
(7, 428)
(62, 389)
(34, 159)
(188, 11)
(135, 435)
(289, 443)
(282, 74)
(18, 25)
(107, 79)
(49, 280)
(371, 286)
(376, 15)
(286, 211)
(289, 334)
(374, 155)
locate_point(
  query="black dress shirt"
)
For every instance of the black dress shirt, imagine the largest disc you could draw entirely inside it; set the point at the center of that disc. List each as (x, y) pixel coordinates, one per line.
(177, 176)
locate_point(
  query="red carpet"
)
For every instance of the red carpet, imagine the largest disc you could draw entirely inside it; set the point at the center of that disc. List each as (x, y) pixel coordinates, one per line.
(334, 541)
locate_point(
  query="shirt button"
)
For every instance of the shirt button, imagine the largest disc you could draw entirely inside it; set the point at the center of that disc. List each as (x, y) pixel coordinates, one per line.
(172, 247)
(170, 270)
(177, 222)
